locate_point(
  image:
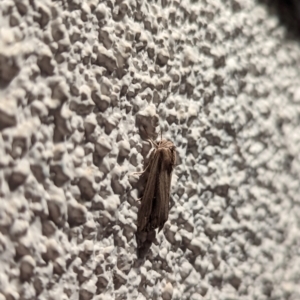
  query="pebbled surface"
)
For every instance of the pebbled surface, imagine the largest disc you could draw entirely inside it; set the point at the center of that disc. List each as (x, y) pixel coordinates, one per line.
(82, 85)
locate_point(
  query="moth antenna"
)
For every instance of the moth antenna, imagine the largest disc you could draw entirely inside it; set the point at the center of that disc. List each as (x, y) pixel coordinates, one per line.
(160, 132)
(153, 143)
(137, 173)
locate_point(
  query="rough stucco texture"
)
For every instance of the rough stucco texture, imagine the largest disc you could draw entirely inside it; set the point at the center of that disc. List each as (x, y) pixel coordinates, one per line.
(80, 84)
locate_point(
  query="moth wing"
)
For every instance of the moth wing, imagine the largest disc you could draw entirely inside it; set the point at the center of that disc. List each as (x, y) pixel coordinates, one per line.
(147, 199)
(160, 211)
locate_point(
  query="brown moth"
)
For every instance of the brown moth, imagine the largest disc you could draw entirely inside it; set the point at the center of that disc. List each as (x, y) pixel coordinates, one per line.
(154, 209)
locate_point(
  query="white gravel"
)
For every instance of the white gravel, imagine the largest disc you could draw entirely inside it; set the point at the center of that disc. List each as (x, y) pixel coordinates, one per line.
(83, 84)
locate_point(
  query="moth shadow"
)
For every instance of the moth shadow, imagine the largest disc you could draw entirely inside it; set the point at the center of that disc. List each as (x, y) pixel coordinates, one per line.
(146, 126)
(144, 241)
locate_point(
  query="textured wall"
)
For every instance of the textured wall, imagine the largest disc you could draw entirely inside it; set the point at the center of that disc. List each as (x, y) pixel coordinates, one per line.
(79, 83)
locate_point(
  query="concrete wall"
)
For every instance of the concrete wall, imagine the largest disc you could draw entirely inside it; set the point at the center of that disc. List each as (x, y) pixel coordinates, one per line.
(82, 84)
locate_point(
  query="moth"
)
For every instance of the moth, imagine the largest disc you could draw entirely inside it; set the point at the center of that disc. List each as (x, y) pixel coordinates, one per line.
(154, 209)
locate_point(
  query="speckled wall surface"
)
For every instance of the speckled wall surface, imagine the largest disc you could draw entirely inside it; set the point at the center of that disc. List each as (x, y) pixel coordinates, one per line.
(81, 82)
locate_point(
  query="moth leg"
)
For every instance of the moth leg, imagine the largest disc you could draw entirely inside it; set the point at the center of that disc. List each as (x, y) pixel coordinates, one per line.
(149, 163)
(136, 173)
(153, 143)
